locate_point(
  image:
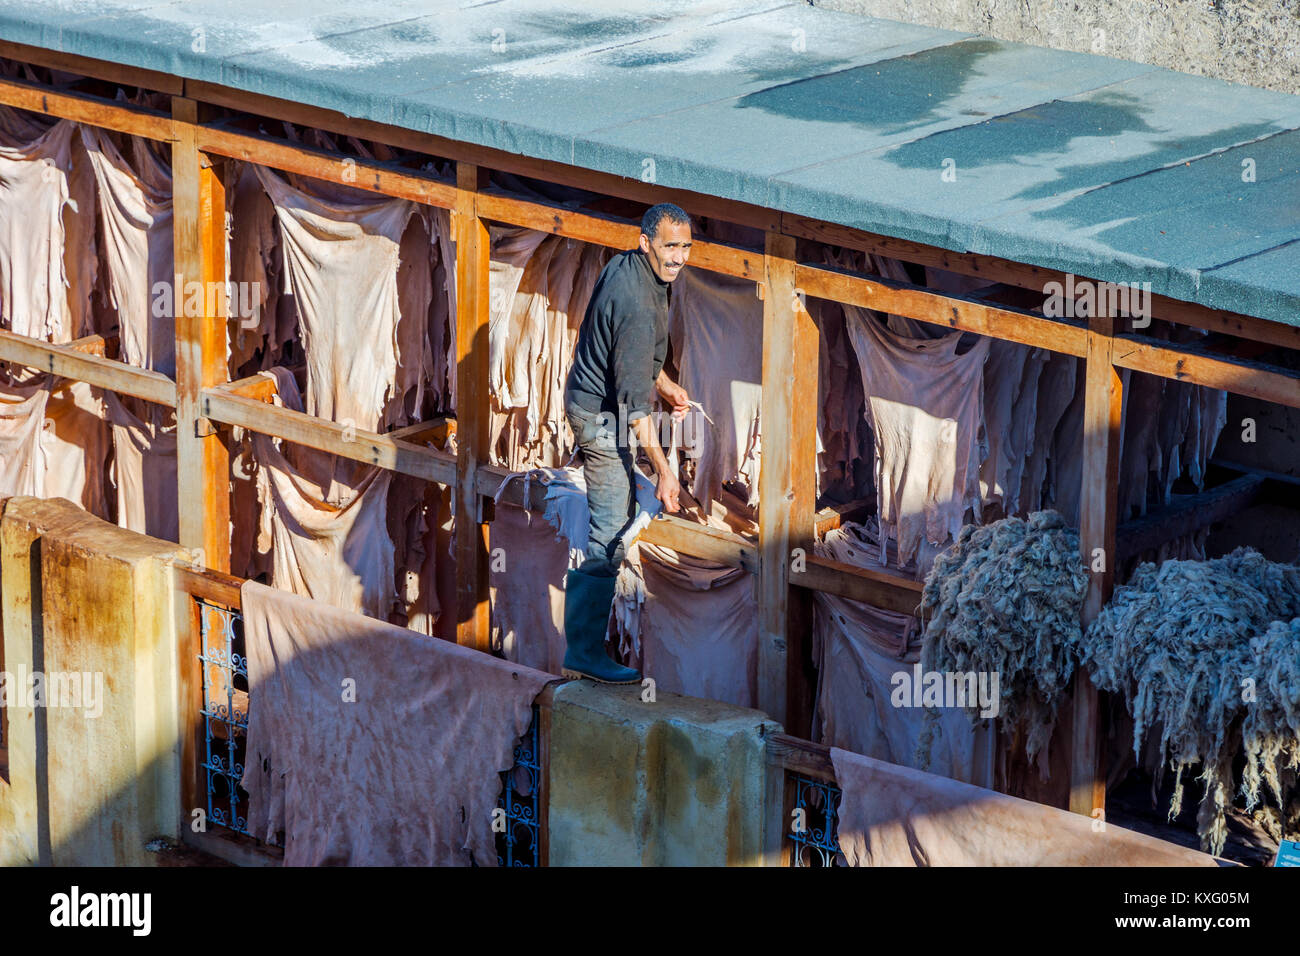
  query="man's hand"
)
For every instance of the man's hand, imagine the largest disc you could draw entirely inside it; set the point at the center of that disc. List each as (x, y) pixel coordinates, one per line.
(668, 488)
(674, 395)
(668, 491)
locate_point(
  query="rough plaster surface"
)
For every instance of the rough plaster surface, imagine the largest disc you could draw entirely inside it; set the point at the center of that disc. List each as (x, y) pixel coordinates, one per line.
(676, 782)
(1256, 42)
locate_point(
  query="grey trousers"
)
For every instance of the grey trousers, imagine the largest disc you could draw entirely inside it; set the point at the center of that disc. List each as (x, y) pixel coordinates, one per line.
(611, 488)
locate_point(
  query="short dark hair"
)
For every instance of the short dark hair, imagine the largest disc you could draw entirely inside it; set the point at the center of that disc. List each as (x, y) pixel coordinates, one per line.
(657, 214)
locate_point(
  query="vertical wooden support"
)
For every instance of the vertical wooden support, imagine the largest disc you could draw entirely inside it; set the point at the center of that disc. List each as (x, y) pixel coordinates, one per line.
(787, 488)
(202, 459)
(472, 407)
(1102, 418)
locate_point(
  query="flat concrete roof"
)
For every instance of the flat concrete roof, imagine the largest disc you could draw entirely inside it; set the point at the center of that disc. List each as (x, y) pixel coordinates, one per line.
(1070, 161)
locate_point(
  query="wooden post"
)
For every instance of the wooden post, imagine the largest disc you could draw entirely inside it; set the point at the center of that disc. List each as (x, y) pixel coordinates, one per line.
(1098, 504)
(472, 407)
(202, 459)
(787, 488)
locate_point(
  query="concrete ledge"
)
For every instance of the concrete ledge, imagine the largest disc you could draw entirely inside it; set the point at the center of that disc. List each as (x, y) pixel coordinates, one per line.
(676, 782)
(90, 604)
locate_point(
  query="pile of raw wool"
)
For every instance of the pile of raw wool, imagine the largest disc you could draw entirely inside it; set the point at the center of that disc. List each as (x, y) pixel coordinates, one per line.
(1005, 599)
(1208, 654)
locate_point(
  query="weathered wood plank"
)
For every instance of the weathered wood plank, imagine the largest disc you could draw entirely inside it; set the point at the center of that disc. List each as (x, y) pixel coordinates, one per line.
(68, 362)
(1098, 507)
(1187, 363)
(199, 228)
(342, 440)
(786, 486)
(880, 589)
(472, 407)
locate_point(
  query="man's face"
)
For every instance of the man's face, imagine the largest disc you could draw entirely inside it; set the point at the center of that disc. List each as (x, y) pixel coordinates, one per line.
(669, 249)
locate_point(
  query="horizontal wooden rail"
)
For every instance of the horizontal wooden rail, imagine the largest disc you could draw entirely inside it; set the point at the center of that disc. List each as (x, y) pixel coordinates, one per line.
(68, 361)
(1188, 363)
(384, 178)
(890, 592)
(957, 312)
(215, 586)
(371, 448)
(801, 756)
(91, 110)
(1187, 514)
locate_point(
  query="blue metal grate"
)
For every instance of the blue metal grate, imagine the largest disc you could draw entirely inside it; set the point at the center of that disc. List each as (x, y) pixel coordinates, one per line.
(519, 844)
(225, 714)
(816, 844)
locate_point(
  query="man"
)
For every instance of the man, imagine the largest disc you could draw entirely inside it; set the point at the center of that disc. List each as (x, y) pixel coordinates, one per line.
(617, 368)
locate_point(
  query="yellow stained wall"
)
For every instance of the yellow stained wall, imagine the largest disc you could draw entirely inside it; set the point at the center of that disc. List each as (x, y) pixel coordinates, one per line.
(84, 596)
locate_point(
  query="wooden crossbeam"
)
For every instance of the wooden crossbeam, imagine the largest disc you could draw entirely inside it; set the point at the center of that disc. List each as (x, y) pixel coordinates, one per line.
(73, 363)
(1200, 366)
(387, 179)
(891, 592)
(967, 313)
(221, 405)
(1187, 514)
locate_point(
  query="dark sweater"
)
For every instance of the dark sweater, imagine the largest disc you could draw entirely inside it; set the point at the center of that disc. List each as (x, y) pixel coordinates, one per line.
(623, 340)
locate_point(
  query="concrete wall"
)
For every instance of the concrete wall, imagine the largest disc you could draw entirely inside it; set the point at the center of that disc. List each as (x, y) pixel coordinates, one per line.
(676, 782)
(1256, 42)
(87, 785)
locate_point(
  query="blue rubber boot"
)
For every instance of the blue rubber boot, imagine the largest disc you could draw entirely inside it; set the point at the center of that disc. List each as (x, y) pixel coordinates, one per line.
(587, 600)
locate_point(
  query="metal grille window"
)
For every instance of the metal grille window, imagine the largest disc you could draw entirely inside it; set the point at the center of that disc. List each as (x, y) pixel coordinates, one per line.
(519, 843)
(816, 843)
(225, 714)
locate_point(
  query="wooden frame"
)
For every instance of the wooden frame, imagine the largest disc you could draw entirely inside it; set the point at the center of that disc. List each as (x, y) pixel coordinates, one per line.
(203, 398)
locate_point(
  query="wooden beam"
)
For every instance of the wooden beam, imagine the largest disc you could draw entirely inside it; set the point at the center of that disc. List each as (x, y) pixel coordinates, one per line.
(92, 110)
(67, 362)
(1187, 514)
(891, 592)
(260, 386)
(833, 516)
(202, 459)
(956, 312)
(371, 448)
(387, 179)
(789, 752)
(1035, 278)
(473, 407)
(1188, 363)
(786, 488)
(1098, 506)
(216, 587)
(701, 541)
(436, 430)
(92, 344)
